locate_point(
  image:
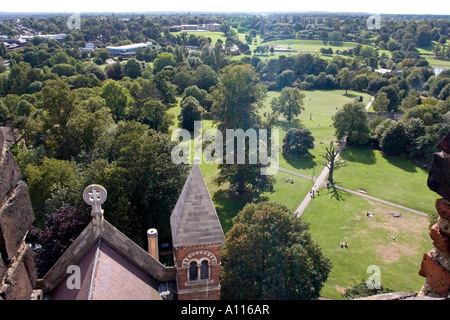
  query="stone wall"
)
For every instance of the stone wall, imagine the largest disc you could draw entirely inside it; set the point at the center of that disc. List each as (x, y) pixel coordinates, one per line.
(17, 270)
(436, 263)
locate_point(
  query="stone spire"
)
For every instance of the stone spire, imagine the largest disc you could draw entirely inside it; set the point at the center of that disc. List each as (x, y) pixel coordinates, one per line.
(194, 219)
(436, 263)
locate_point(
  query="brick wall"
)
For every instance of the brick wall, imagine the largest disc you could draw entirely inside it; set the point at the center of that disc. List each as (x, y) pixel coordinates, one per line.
(17, 271)
(199, 289)
(435, 265)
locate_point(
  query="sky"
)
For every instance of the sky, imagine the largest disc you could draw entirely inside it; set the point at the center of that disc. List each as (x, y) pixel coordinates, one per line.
(367, 6)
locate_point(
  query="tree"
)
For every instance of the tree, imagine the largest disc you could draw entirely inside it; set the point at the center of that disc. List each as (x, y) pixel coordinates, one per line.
(64, 69)
(117, 98)
(61, 228)
(132, 69)
(332, 162)
(46, 180)
(361, 289)
(297, 142)
(190, 111)
(351, 122)
(237, 100)
(162, 60)
(269, 254)
(201, 95)
(154, 114)
(381, 102)
(345, 77)
(289, 103)
(206, 77)
(285, 79)
(393, 140)
(114, 71)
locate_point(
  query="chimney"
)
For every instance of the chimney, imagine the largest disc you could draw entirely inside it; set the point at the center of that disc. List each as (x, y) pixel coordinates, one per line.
(152, 236)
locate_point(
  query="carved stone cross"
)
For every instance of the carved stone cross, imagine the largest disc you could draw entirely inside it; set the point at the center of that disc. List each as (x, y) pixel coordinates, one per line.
(95, 195)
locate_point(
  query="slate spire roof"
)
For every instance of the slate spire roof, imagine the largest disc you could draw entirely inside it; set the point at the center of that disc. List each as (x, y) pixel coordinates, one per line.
(194, 219)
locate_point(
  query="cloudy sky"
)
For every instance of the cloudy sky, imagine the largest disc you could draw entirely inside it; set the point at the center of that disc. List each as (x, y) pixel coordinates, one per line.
(368, 6)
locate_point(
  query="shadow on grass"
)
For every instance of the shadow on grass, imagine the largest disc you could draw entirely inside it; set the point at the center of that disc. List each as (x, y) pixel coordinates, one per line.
(403, 163)
(351, 95)
(360, 155)
(304, 163)
(227, 206)
(338, 194)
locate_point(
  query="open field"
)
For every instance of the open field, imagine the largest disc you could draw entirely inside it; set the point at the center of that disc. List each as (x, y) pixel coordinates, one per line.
(333, 221)
(338, 216)
(395, 179)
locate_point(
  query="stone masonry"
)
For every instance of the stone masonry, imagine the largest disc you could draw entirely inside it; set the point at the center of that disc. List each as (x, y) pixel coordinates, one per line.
(18, 274)
(436, 263)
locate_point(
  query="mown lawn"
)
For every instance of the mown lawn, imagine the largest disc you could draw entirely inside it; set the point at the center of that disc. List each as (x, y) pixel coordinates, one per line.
(341, 217)
(395, 179)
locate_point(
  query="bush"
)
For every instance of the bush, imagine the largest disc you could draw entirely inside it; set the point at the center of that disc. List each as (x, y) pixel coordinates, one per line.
(362, 290)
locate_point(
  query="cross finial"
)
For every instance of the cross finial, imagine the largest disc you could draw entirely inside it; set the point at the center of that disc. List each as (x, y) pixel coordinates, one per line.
(94, 195)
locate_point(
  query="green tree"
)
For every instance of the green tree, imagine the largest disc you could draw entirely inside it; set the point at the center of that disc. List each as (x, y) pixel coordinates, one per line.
(297, 142)
(345, 77)
(190, 111)
(64, 69)
(393, 140)
(351, 122)
(289, 103)
(162, 60)
(381, 102)
(154, 114)
(132, 69)
(237, 100)
(44, 180)
(269, 254)
(117, 98)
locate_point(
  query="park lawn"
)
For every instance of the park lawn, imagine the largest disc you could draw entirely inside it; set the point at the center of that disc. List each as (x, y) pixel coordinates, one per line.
(310, 46)
(319, 105)
(437, 62)
(332, 221)
(289, 194)
(395, 179)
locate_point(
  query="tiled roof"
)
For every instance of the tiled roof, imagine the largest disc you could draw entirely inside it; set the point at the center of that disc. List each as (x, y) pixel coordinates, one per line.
(114, 265)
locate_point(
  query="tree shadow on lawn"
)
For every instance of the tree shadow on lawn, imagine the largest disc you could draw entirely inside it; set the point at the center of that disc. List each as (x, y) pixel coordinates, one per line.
(303, 163)
(402, 162)
(338, 194)
(227, 206)
(360, 155)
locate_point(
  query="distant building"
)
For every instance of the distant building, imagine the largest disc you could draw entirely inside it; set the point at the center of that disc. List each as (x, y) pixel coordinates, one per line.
(129, 49)
(88, 47)
(383, 71)
(194, 27)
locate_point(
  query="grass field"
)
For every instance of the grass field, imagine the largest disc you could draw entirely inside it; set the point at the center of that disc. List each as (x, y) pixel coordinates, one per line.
(333, 221)
(340, 216)
(319, 108)
(395, 179)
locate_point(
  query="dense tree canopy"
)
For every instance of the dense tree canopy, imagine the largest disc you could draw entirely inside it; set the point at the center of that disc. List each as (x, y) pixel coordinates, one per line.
(269, 254)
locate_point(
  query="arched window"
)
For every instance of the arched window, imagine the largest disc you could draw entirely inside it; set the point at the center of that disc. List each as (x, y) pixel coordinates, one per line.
(204, 270)
(193, 271)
